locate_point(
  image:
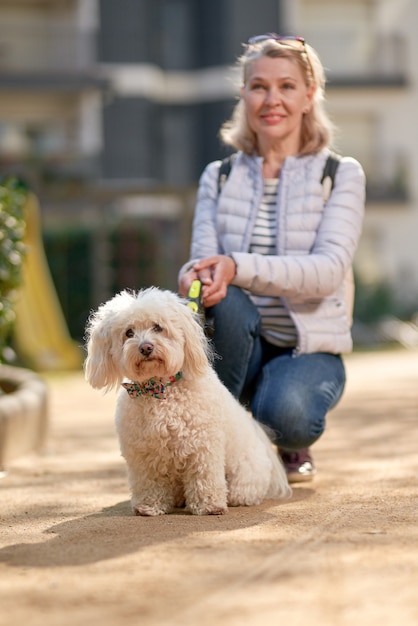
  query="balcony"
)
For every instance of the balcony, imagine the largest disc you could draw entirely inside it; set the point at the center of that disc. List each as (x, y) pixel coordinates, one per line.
(354, 59)
(46, 54)
(387, 177)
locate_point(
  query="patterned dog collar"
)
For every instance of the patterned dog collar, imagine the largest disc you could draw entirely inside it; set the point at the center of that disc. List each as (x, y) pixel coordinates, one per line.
(154, 387)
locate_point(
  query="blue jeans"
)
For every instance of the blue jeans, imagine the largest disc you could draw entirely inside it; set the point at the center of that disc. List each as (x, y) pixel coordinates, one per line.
(289, 394)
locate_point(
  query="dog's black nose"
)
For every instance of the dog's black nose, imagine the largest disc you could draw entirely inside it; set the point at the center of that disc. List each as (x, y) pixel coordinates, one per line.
(146, 348)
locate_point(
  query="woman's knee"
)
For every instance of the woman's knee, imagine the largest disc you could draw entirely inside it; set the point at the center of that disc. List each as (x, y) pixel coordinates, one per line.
(295, 422)
(294, 395)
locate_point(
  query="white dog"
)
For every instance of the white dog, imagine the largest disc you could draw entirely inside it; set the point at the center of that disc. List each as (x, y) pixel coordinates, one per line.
(185, 438)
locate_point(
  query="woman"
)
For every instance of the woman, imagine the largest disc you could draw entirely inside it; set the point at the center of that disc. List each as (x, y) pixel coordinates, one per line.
(274, 257)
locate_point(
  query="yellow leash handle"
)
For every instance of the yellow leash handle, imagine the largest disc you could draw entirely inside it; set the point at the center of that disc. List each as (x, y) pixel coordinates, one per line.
(195, 303)
(195, 297)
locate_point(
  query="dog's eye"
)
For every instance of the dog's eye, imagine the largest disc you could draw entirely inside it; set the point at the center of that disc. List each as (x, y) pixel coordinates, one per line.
(130, 333)
(157, 328)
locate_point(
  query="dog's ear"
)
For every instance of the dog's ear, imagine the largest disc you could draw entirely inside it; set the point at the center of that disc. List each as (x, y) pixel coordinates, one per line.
(99, 367)
(197, 352)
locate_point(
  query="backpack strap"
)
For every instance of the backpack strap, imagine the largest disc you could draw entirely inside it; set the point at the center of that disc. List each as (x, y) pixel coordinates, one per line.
(224, 170)
(328, 175)
(327, 180)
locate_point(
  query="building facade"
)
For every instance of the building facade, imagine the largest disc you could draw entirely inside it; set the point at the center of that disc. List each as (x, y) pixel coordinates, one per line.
(369, 48)
(111, 110)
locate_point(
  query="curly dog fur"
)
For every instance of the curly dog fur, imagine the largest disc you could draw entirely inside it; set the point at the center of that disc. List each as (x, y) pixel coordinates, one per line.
(198, 447)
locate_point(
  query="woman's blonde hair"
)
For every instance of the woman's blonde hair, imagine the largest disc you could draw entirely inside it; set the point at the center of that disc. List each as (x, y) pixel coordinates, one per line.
(317, 128)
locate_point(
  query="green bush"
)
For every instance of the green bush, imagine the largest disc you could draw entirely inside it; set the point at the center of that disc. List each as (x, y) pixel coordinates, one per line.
(13, 195)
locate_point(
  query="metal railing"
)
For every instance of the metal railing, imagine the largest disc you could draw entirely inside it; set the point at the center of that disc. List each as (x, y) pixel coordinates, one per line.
(387, 173)
(387, 176)
(349, 54)
(45, 46)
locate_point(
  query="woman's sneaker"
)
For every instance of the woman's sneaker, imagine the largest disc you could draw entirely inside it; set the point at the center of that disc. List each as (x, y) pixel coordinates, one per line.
(299, 465)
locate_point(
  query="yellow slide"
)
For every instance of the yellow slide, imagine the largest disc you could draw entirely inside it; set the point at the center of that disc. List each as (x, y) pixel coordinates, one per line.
(40, 334)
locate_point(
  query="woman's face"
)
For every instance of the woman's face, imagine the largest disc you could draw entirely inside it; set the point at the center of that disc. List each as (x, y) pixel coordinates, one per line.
(276, 97)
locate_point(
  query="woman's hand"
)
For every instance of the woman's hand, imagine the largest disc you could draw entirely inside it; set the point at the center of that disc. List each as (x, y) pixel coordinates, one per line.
(216, 274)
(185, 282)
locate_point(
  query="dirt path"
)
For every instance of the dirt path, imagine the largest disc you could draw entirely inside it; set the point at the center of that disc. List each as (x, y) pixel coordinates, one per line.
(342, 551)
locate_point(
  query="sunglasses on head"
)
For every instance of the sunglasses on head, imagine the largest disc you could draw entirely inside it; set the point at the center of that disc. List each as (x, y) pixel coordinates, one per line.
(292, 41)
(287, 39)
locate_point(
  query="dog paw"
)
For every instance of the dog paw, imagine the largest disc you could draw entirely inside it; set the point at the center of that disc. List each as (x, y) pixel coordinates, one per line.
(209, 510)
(220, 510)
(147, 511)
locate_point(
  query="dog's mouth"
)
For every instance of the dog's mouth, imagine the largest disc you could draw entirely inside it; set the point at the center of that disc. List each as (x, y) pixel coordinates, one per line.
(149, 365)
(148, 359)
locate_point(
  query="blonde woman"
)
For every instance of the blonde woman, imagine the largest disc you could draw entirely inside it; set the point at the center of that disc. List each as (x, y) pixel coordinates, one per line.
(273, 256)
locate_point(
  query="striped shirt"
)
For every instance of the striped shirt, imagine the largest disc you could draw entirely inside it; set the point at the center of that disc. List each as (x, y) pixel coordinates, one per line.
(277, 326)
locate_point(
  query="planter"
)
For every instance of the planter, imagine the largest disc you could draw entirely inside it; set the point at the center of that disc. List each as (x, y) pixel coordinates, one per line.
(23, 413)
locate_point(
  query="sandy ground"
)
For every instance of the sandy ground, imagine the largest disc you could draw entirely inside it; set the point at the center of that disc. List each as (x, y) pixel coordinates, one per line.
(342, 551)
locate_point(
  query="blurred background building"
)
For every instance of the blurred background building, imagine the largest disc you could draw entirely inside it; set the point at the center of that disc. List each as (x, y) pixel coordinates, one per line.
(110, 109)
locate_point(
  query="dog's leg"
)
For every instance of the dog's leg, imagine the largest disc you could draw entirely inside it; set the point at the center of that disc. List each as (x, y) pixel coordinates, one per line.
(205, 485)
(152, 494)
(247, 486)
